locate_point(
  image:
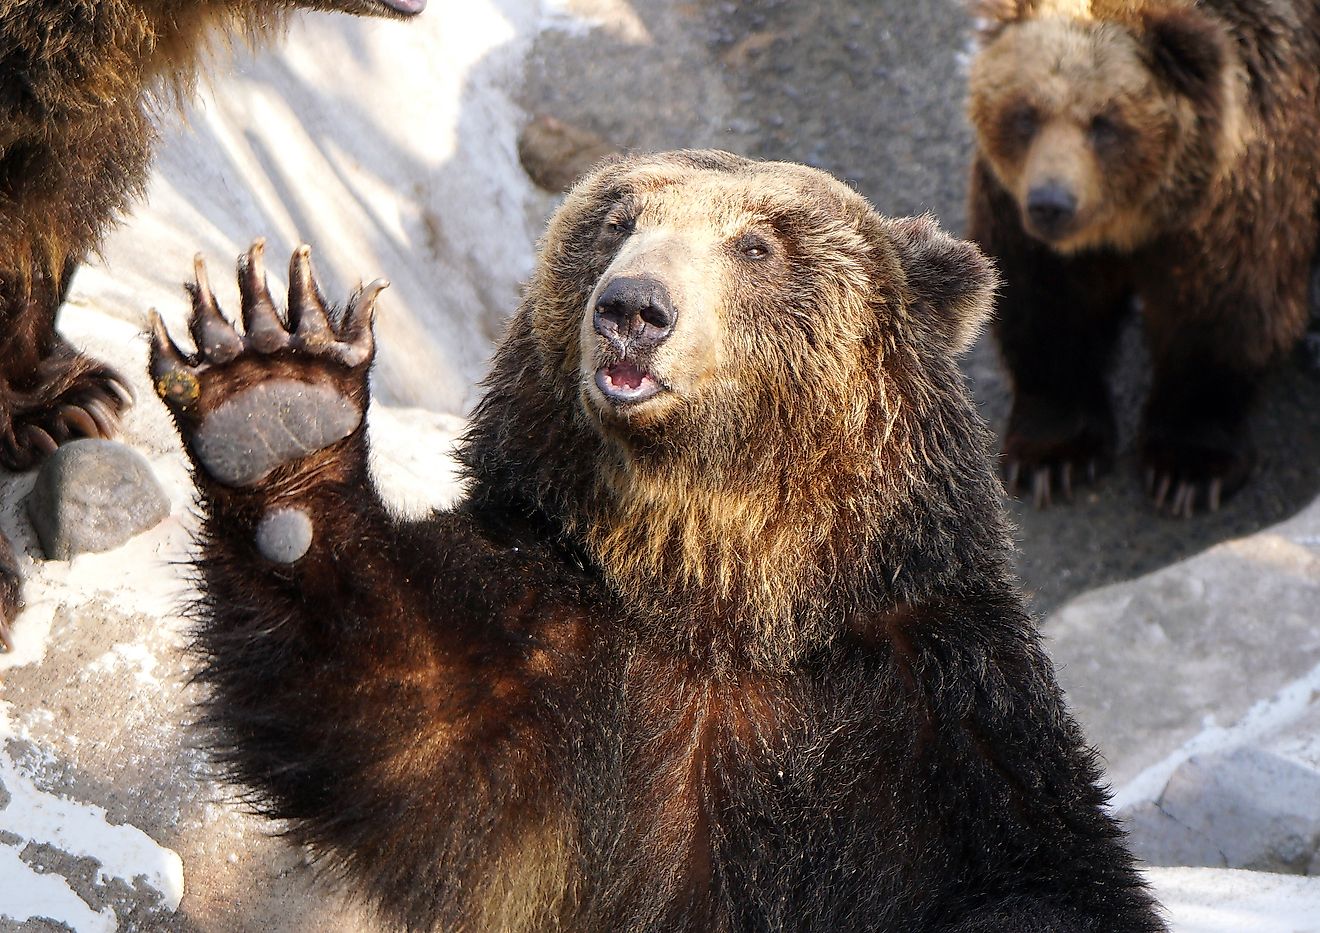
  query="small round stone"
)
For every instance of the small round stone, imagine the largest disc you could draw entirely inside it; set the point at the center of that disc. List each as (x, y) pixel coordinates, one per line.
(284, 535)
(93, 495)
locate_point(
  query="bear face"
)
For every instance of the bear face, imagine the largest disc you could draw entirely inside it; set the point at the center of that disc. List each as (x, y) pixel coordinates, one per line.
(719, 286)
(1117, 130)
(731, 351)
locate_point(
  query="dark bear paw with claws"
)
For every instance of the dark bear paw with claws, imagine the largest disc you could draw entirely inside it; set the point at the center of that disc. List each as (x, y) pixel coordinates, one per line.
(1185, 474)
(69, 395)
(250, 405)
(1049, 449)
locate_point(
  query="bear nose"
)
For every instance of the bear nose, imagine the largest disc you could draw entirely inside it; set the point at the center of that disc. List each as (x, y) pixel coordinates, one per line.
(1051, 206)
(634, 312)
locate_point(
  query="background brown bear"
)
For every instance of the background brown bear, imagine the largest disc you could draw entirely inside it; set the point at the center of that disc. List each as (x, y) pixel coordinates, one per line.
(78, 81)
(723, 635)
(1166, 149)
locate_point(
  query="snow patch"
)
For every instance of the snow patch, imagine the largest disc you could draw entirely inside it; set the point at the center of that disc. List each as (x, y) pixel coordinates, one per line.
(77, 829)
(1264, 718)
(1219, 900)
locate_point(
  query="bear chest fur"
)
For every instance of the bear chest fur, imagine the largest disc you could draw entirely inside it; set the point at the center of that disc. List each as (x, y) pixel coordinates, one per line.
(724, 794)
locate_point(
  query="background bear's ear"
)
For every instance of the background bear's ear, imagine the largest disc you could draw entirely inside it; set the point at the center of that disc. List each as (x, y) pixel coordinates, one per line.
(1188, 50)
(993, 15)
(952, 279)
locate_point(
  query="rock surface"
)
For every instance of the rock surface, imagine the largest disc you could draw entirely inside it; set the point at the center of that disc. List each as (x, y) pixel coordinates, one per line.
(93, 495)
(1255, 805)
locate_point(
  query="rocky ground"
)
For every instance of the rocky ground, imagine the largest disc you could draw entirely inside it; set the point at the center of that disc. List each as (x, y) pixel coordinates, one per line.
(1190, 650)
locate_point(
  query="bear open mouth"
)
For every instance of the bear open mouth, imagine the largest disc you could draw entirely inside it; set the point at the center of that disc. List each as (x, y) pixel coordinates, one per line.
(626, 383)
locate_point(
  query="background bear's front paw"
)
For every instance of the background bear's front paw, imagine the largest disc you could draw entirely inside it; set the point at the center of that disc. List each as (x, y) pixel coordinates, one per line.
(1051, 447)
(1191, 470)
(249, 404)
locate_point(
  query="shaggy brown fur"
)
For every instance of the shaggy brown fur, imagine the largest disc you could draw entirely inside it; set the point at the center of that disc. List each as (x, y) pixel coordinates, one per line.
(78, 82)
(1163, 149)
(722, 636)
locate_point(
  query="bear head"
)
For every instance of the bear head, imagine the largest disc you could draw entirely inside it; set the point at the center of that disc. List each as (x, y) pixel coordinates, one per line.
(727, 380)
(1105, 120)
(692, 286)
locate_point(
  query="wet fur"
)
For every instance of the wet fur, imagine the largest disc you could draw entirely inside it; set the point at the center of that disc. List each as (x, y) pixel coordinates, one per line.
(676, 674)
(1212, 197)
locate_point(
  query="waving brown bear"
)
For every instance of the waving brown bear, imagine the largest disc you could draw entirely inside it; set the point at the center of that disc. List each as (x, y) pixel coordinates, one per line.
(1167, 150)
(722, 637)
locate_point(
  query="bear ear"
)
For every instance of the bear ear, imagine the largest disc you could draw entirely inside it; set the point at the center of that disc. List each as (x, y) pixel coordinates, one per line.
(952, 279)
(992, 16)
(1188, 50)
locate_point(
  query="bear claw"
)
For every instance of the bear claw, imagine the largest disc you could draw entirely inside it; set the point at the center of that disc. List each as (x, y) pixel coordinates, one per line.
(88, 405)
(1183, 477)
(1053, 448)
(1046, 479)
(241, 429)
(1180, 500)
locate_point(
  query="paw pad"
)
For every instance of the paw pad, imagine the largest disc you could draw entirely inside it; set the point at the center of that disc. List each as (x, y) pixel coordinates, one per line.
(251, 433)
(284, 535)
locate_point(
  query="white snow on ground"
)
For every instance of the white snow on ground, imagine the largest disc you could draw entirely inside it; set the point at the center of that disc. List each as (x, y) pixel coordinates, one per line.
(78, 829)
(1221, 900)
(129, 577)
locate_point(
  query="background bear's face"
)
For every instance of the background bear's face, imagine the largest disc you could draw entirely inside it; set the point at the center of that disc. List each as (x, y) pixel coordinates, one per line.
(1086, 123)
(708, 298)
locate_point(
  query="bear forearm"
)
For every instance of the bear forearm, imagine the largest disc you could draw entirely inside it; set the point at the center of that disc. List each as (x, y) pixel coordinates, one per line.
(363, 694)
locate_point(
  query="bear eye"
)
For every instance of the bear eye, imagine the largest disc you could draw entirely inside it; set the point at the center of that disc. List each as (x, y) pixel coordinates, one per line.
(752, 246)
(621, 224)
(1105, 131)
(1022, 121)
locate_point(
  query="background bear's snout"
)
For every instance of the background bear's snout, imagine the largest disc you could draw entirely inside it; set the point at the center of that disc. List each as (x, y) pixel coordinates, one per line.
(1051, 207)
(634, 313)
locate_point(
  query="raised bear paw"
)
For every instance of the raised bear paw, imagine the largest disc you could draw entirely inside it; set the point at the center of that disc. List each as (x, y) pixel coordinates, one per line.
(1185, 474)
(249, 404)
(1050, 448)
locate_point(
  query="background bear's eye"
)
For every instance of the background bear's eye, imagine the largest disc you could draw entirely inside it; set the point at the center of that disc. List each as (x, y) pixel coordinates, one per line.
(752, 246)
(622, 224)
(1105, 131)
(1022, 121)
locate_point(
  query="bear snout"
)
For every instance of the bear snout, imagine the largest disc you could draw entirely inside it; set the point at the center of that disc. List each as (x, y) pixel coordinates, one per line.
(634, 314)
(1051, 209)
